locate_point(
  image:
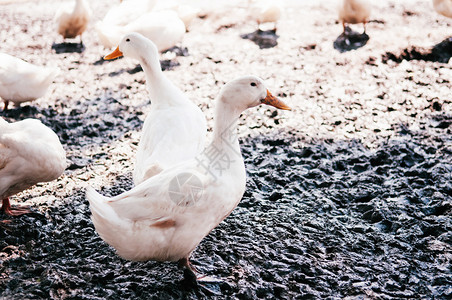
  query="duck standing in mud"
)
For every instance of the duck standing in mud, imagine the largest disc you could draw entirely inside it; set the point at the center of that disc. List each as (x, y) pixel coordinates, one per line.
(165, 217)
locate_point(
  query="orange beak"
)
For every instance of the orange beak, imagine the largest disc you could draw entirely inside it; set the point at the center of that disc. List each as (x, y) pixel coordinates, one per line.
(273, 101)
(114, 54)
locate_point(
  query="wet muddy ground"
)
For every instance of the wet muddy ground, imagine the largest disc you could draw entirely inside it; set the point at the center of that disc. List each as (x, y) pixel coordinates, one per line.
(348, 196)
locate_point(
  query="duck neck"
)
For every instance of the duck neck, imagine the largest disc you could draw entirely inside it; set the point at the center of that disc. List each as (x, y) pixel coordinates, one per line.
(161, 90)
(223, 157)
(225, 129)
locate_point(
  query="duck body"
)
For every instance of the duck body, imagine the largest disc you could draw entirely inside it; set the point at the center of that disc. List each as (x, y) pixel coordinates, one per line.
(149, 223)
(175, 127)
(354, 12)
(443, 7)
(185, 12)
(21, 81)
(165, 217)
(170, 135)
(164, 28)
(30, 153)
(128, 11)
(73, 20)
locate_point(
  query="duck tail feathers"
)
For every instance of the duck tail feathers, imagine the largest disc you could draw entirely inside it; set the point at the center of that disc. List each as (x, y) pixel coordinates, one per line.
(99, 206)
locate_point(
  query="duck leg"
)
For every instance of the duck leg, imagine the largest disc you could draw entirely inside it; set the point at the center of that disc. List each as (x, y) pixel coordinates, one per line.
(189, 270)
(5, 108)
(192, 275)
(17, 211)
(364, 25)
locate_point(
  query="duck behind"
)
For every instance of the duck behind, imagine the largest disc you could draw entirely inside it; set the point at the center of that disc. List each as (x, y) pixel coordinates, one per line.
(175, 128)
(73, 20)
(354, 12)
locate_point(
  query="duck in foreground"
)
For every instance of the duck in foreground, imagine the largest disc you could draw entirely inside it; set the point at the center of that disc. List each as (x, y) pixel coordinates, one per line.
(166, 217)
(30, 153)
(21, 81)
(354, 12)
(175, 128)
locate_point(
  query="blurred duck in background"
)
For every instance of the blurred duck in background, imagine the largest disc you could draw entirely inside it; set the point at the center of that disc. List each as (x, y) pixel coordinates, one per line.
(185, 12)
(443, 7)
(73, 19)
(265, 11)
(21, 81)
(354, 12)
(127, 11)
(164, 28)
(30, 153)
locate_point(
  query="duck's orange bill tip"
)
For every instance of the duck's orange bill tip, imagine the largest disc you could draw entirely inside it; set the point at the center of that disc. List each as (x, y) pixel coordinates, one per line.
(114, 54)
(273, 101)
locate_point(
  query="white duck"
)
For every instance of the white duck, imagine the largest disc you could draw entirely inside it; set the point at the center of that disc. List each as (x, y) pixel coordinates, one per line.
(167, 216)
(128, 11)
(354, 12)
(73, 19)
(185, 12)
(164, 28)
(30, 153)
(443, 7)
(175, 128)
(265, 11)
(21, 81)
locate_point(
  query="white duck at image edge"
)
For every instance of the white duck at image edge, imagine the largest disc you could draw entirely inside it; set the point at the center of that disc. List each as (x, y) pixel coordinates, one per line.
(72, 19)
(443, 7)
(175, 128)
(30, 153)
(166, 217)
(21, 81)
(354, 12)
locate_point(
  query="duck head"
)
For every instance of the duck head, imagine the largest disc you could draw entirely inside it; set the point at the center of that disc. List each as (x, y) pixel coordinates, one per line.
(249, 91)
(133, 45)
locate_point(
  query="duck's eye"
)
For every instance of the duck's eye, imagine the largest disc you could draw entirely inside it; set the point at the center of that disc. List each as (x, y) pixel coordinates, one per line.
(127, 40)
(253, 84)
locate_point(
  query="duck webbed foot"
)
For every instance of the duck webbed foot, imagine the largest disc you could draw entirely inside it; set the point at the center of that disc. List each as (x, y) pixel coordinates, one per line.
(13, 211)
(192, 275)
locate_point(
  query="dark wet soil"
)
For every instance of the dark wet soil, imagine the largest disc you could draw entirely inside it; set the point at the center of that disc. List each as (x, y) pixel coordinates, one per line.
(264, 39)
(68, 47)
(441, 52)
(350, 40)
(348, 196)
